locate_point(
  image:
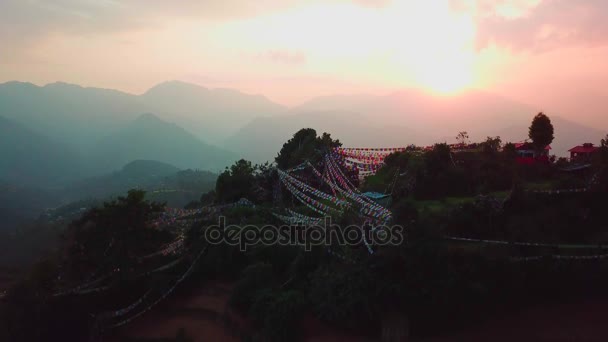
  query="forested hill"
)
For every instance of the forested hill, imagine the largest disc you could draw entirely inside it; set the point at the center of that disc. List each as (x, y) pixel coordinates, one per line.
(149, 137)
(164, 182)
(30, 158)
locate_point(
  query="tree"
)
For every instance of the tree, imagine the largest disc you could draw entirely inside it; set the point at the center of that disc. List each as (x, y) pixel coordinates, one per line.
(541, 131)
(600, 159)
(438, 159)
(439, 176)
(208, 198)
(114, 235)
(600, 164)
(462, 138)
(492, 145)
(603, 152)
(266, 177)
(305, 145)
(509, 151)
(235, 182)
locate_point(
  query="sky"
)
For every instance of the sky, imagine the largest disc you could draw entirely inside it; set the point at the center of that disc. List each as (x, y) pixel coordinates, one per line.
(551, 53)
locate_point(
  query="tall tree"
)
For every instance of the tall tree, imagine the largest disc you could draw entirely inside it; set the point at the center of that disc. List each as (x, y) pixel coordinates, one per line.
(235, 182)
(541, 131)
(305, 145)
(114, 235)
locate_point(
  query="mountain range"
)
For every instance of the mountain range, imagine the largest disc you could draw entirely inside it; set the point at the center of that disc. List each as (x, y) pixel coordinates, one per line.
(30, 158)
(63, 142)
(81, 116)
(100, 130)
(149, 137)
(404, 118)
(163, 182)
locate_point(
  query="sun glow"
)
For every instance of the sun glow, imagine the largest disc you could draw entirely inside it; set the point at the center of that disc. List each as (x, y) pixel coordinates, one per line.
(407, 43)
(439, 55)
(446, 73)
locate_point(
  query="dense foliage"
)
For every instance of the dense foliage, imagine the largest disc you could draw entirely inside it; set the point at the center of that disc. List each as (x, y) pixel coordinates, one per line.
(305, 145)
(437, 282)
(541, 131)
(236, 182)
(105, 242)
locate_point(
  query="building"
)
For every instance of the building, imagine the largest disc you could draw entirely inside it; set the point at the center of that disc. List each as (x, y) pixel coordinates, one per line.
(583, 153)
(527, 153)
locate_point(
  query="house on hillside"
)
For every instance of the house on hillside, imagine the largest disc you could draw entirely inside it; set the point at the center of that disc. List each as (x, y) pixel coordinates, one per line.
(527, 153)
(582, 153)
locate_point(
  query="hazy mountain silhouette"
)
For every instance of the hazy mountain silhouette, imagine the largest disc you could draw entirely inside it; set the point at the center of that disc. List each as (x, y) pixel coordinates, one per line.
(136, 174)
(403, 118)
(27, 157)
(163, 182)
(80, 116)
(212, 114)
(255, 127)
(103, 125)
(144, 169)
(437, 116)
(149, 137)
(69, 113)
(262, 139)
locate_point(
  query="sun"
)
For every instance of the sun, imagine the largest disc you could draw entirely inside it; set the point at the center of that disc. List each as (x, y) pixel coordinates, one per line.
(440, 57)
(445, 75)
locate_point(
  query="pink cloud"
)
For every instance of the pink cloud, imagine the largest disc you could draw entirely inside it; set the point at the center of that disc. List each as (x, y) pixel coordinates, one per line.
(551, 24)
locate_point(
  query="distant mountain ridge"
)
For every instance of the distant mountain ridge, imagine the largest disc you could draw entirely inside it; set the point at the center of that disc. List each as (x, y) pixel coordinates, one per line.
(80, 116)
(210, 113)
(404, 118)
(479, 113)
(475, 111)
(149, 137)
(147, 168)
(30, 158)
(255, 127)
(149, 175)
(261, 139)
(139, 172)
(68, 113)
(102, 129)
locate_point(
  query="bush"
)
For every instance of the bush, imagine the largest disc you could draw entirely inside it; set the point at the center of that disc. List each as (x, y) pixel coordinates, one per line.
(344, 295)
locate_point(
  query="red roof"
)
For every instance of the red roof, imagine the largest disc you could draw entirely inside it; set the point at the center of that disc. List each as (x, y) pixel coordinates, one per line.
(585, 148)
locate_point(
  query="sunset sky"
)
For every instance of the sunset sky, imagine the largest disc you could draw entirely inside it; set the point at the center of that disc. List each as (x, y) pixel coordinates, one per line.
(551, 53)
